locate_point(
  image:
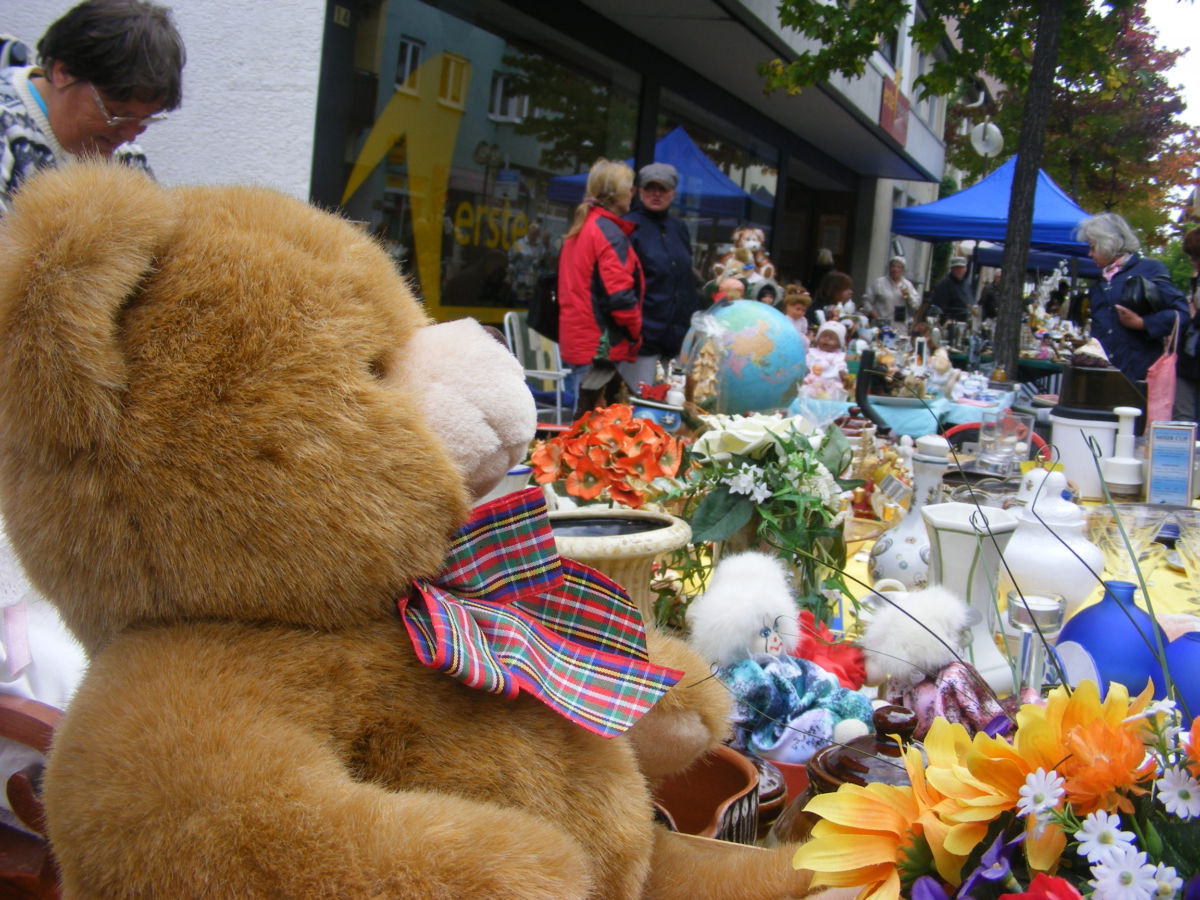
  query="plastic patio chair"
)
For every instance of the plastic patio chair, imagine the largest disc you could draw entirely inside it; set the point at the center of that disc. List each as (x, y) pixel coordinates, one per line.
(544, 371)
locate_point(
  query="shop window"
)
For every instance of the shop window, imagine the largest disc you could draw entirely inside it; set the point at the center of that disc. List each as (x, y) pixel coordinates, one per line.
(488, 163)
(407, 62)
(506, 104)
(452, 89)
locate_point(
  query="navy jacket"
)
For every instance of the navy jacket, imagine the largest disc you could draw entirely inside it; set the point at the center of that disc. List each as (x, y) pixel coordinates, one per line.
(1133, 351)
(664, 246)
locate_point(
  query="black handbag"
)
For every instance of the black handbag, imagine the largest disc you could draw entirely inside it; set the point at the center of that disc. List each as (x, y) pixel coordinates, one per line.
(543, 306)
(1141, 295)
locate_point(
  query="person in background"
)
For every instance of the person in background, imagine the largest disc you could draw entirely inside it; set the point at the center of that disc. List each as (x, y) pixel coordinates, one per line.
(834, 291)
(891, 293)
(989, 297)
(1133, 341)
(824, 265)
(600, 290)
(951, 295)
(1187, 370)
(108, 70)
(664, 247)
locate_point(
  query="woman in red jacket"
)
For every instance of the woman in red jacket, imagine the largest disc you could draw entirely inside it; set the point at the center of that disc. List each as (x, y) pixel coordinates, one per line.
(600, 288)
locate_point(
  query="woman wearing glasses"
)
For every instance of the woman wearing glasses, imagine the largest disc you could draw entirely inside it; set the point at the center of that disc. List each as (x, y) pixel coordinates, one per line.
(109, 69)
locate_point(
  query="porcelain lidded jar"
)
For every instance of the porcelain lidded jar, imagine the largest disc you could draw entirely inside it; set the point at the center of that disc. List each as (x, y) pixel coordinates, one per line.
(1052, 556)
(902, 552)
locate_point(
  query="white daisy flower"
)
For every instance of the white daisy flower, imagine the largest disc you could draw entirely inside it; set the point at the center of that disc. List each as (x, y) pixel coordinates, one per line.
(1179, 793)
(1124, 875)
(1040, 794)
(1101, 836)
(1168, 883)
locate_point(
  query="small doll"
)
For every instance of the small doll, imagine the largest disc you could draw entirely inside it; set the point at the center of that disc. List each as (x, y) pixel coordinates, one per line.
(745, 624)
(827, 368)
(942, 374)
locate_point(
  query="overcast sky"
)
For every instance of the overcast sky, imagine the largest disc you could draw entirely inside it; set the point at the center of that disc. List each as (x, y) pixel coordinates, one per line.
(1178, 25)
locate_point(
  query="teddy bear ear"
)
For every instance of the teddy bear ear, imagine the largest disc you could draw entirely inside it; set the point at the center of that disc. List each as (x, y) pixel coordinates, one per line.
(74, 249)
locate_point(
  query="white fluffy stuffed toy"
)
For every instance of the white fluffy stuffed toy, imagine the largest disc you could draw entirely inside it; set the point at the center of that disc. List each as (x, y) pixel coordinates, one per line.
(746, 609)
(909, 648)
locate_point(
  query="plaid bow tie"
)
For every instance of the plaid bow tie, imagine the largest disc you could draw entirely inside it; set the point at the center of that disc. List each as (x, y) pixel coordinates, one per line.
(508, 615)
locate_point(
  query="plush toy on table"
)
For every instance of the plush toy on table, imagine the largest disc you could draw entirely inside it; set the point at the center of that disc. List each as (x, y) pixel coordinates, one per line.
(914, 644)
(748, 259)
(942, 374)
(745, 624)
(240, 460)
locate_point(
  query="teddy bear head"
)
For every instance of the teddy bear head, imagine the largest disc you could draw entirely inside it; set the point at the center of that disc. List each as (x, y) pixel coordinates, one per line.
(749, 239)
(221, 403)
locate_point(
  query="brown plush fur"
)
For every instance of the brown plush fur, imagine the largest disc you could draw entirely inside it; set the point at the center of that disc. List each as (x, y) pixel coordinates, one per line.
(214, 461)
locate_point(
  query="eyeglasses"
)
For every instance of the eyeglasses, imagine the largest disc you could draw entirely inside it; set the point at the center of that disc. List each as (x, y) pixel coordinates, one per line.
(117, 121)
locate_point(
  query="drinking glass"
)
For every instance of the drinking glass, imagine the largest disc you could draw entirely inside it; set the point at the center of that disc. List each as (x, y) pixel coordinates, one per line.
(1004, 440)
(1141, 522)
(1188, 549)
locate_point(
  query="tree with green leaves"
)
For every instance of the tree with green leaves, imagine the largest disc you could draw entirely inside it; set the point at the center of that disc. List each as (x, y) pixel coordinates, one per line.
(1114, 139)
(1024, 44)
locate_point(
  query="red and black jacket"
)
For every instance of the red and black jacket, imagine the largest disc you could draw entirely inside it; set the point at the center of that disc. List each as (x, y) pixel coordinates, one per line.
(600, 291)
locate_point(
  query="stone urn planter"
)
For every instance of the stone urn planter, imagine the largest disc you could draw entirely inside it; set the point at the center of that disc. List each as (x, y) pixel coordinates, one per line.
(622, 543)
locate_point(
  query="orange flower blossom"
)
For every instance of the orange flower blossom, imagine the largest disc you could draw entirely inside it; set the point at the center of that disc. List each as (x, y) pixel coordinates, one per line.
(608, 453)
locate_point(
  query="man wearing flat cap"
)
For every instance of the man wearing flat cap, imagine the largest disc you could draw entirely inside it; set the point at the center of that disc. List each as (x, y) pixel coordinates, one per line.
(952, 295)
(664, 246)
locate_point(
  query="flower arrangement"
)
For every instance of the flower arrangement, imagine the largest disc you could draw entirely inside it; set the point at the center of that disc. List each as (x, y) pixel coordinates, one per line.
(608, 454)
(1084, 798)
(766, 480)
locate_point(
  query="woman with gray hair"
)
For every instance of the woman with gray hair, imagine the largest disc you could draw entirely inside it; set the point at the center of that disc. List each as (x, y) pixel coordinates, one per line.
(890, 292)
(1134, 303)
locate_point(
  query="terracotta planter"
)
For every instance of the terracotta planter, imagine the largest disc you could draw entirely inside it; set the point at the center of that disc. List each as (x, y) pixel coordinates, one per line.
(621, 543)
(715, 797)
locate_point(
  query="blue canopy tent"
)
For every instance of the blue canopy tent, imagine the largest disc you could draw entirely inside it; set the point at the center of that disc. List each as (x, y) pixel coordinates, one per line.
(1038, 261)
(980, 212)
(703, 187)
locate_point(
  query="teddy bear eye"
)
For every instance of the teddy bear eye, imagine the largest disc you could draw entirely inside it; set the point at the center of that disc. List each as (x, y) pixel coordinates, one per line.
(377, 368)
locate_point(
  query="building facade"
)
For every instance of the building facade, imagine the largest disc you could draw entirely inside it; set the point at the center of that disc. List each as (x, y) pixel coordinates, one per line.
(457, 130)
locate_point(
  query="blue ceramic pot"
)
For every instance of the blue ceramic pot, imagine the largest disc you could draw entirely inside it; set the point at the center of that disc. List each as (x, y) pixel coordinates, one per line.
(1183, 659)
(1120, 637)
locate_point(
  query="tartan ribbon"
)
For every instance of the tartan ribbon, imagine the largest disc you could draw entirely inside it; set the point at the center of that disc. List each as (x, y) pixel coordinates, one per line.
(507, 614)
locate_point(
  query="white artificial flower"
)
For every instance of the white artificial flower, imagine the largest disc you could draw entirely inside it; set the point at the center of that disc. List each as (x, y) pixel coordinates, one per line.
(741, 435)
(744, 480)
(1040, 794)
(1167, 882)
(1179, 793)
(1124, 875)
(1158, 706)
(1100, 836)
(761, 492)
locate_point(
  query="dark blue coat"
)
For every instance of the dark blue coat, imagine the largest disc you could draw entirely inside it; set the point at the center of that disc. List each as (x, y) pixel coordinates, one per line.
(1133, 351)
(664, 246)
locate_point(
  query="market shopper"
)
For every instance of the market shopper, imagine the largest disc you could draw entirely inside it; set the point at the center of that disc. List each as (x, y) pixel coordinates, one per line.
(1134, 304)
(600, 290)
(107, 70)
(829, 302)
(1187, 370)
(892, 293)
(664, 248)
(952, 295)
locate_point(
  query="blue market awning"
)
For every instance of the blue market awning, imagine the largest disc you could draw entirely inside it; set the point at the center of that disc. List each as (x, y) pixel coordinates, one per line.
(703, 187)
(980, 212)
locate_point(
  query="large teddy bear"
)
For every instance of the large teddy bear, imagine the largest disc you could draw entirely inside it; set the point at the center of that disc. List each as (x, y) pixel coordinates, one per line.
(231, 442)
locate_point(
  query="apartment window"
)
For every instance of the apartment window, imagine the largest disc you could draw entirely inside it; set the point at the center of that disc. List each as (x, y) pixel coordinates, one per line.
(408, 61)
(453, 87)
(506, 105)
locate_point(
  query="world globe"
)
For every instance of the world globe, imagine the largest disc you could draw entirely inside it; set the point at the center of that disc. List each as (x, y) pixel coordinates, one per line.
(743, 356)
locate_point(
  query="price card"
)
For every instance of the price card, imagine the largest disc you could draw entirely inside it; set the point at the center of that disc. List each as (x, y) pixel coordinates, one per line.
(1172, 449)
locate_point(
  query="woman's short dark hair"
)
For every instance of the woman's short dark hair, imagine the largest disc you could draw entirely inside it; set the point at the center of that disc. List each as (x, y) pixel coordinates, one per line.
(832, 284)
(1191, 243)
(130, 49)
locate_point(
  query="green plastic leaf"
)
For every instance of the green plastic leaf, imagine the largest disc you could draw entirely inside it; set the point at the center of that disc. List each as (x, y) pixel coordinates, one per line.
(720, 515)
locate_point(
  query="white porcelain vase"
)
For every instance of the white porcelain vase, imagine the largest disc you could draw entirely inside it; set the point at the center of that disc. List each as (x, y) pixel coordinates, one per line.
(965, 545)
(902, 552)
(622, 543)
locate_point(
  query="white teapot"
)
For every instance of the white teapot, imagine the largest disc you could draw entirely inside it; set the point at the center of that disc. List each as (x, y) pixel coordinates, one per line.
(1055, 557)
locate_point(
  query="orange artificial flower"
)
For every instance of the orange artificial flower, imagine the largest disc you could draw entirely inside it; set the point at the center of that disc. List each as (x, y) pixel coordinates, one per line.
(1193, 747)
(608, 453)
(1105, 764)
